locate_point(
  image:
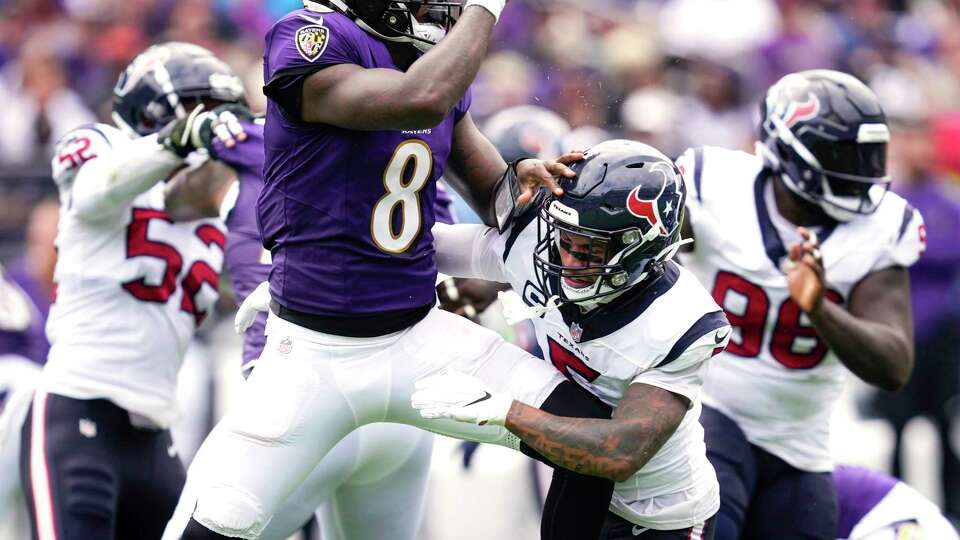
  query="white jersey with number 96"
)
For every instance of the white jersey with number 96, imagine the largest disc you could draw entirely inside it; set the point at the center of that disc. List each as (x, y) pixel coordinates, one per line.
(777, 379)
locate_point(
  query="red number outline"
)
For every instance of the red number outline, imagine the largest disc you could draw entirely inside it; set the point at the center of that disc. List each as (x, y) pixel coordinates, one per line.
(77, 157)
(200, 272)
(565, 360)
(753, 323)
(139, 245)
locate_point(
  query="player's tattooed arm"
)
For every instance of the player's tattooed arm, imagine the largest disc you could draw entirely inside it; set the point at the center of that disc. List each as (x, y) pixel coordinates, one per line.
(874, 336)
(615, 449)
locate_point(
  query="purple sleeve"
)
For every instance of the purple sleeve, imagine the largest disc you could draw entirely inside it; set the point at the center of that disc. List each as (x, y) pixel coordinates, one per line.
(246, 156)
(858, 491)
(443, 206)
(303, 42)
(463, 106)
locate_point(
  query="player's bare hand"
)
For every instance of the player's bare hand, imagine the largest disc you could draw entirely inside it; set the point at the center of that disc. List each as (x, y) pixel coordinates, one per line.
(533, 173)
(805, 276)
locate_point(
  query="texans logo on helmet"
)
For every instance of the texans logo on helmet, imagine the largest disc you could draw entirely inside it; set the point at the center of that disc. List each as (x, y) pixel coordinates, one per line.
(645, 209)
(312, 41)
(798, 111)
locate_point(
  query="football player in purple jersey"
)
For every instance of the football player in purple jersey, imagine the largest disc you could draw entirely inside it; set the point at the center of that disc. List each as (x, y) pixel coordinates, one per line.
(876, 506)
(375, 464)
(367, 106)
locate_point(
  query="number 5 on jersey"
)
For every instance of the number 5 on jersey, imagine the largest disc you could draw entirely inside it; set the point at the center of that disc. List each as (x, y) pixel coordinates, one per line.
(406, 175)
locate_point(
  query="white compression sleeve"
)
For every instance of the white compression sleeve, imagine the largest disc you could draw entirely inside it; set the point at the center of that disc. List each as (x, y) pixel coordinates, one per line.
(467, 251)
(111, 181)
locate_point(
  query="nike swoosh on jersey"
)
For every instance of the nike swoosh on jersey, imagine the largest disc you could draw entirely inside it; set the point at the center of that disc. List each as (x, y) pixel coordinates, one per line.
(638, 530)
(486, 396)
(719, 339)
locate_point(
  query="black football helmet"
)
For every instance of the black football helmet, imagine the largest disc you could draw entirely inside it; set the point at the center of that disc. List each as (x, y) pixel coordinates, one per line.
(627, 199)
(825, 133)
(165, 81)
(526, 131)
(422, 23)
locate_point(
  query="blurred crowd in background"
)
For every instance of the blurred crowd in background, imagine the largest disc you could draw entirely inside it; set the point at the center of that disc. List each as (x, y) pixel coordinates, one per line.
(673, 73)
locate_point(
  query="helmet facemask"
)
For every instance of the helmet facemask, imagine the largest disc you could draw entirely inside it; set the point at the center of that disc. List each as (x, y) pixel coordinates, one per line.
(608, 262)
(838, 165)
(422, 23)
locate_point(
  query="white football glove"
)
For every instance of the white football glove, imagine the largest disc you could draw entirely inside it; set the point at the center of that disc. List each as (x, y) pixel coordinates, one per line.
(201, 128)
(259, 300)
(224, 123)
(459, 397)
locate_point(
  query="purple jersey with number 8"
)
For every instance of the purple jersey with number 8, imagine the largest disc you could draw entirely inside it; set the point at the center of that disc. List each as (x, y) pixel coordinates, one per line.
(346, 214)
(246, 261)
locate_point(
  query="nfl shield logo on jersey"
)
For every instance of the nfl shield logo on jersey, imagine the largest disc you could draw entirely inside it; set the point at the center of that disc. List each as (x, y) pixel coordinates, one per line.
(311, 41)
(576, 332)
(286, 345)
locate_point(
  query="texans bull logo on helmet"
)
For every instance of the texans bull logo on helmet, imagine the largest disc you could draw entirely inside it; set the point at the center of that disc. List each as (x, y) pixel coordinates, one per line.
(312, 41)
(802, 111)
(654, 209)
(794, 99)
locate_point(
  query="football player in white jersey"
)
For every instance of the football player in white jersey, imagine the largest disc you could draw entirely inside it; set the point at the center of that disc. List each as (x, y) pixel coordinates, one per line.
(808, 255)
(614, 314)
(97, 460)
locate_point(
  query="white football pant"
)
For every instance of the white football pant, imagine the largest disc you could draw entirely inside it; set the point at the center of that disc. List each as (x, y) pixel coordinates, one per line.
(309, 390)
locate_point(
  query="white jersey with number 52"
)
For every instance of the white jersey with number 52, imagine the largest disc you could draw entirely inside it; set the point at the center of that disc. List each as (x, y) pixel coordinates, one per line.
(132, 286)
(777, 379)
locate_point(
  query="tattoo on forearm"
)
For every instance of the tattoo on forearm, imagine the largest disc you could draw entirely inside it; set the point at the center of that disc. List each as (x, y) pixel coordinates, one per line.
(613, 448)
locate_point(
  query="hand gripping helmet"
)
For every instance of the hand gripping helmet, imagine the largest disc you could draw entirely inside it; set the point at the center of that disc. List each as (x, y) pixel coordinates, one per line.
(164, 82)
(423, 23)
(527, 131)
(627, 200)
(826, 135)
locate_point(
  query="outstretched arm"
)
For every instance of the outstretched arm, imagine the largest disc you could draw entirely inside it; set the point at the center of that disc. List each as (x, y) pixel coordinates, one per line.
(612, 448)
(616, 448)
(109, 182)
(353, 97)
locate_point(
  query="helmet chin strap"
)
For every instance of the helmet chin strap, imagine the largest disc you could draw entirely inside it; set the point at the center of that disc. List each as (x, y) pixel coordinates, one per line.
(515, 310)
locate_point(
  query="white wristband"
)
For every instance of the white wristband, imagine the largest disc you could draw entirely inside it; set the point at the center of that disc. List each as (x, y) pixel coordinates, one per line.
(493, 6)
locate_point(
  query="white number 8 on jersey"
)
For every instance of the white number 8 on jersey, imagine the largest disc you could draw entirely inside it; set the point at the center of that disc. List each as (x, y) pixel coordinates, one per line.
(404, 193)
